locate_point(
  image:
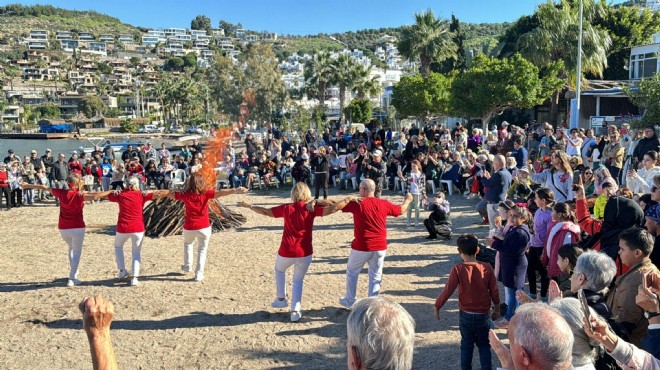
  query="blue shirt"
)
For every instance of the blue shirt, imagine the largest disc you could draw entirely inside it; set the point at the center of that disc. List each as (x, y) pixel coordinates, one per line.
(497, 186)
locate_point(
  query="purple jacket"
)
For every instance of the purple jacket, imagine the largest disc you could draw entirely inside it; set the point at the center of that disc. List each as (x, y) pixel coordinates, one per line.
(541, 221)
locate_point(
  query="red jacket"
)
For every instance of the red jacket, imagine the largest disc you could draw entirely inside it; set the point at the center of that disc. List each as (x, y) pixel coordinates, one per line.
(4, 179)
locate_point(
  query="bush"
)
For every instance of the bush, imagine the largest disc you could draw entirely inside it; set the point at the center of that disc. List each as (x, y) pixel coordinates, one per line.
(127, 125)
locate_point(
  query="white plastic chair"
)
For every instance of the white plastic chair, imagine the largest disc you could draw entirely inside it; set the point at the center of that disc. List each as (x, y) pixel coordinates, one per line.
(178, 179)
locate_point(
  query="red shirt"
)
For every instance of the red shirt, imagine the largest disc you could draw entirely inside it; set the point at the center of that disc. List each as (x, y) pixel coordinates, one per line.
(71, 209)
(477, 287)
(297, 235)
(130, 218)
(75, 167)
(4, 180)
(370, 223)
(197, 209)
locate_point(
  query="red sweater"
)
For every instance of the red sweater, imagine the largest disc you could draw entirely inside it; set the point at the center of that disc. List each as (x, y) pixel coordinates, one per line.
(4, 179)
(477, 287)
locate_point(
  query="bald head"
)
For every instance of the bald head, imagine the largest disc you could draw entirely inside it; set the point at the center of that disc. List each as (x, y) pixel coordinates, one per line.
(540, 338)
(368, 186)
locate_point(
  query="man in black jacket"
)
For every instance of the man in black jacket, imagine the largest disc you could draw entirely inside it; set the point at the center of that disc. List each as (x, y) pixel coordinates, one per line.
(47, 160)
(649, 142)
(376, 171)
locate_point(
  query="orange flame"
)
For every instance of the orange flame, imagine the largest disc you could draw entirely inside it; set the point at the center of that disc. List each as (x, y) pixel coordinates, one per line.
(213, 153)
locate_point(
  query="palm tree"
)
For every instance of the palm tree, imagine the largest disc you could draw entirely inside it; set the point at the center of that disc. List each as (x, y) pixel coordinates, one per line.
(555, 40)
(346, 74)
(367, 86)
(429, 39)
(318, 73)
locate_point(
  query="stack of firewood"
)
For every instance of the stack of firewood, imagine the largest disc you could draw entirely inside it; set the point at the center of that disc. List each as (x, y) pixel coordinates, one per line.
(165, 217)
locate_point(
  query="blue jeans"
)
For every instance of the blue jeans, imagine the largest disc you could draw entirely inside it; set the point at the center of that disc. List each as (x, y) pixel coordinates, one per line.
(511, 302)
(474, 330)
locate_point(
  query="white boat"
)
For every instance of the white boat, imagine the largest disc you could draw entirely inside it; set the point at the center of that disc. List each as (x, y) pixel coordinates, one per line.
(103, 142)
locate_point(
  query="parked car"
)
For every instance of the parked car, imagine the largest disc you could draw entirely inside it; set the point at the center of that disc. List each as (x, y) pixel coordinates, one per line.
(176, 129)
(150, 129)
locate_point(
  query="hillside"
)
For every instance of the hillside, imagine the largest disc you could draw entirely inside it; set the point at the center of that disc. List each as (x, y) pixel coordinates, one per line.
(18, 20)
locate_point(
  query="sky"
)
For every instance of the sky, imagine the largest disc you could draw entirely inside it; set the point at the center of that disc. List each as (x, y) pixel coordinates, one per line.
(299, 17)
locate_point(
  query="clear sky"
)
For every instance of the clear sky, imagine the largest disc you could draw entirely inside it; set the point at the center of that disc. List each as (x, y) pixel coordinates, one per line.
(297, 16)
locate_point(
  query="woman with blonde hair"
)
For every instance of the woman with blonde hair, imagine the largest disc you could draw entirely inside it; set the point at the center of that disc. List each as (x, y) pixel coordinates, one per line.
(296, 245)
(71, 223)
(196, 197)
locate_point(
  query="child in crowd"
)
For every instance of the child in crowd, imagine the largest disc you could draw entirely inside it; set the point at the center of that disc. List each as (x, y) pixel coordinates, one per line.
(417, 188)
(562, 230)
(607, 190)
(544, 198)
(513, 263)
(566, 260)
(477, 288)
(438, 222)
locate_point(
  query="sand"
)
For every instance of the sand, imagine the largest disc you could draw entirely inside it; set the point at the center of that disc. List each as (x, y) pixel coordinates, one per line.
(224, 322)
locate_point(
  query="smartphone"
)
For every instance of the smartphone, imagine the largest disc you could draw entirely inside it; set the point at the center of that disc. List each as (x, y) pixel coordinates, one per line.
(577, 175)
(585, 309)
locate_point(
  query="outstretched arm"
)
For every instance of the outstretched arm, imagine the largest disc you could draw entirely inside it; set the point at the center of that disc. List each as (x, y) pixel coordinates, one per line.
(97, 315)
(36, 186)
(94, 196)
(406, 203)
(225, 192)
(338, 206)
(260, 210)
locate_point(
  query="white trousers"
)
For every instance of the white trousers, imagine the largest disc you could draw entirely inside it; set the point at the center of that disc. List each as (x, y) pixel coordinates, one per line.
(493, 212)
(203, 236)
(136, 241)
(301, 264)
(74, 239)
(356, 260)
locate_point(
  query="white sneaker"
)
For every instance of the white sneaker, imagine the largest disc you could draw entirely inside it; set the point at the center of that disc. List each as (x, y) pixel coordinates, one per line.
(346, 302)
(199, 277)
(123, 274)
(467, 192)
(295, 316)
(280, 303)
(134, 281)
(186, 268)
(73, 282)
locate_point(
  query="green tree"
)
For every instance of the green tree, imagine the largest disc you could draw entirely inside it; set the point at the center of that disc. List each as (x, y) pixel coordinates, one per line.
(48, 110)
(491, 85)
(555, 39)
(318, 75)
(263, 80)
(190, 60)
(429, 39)
(457, 61)
(627, 27)
(134, 61)
(174, 64)
(201, 22)
(91, 105)
(127, 125)
(229, 28)
(104, 68)
(416, 96)
(226, 82)
(298, 119)
(359, 110)
(646, 95)
(347, 76)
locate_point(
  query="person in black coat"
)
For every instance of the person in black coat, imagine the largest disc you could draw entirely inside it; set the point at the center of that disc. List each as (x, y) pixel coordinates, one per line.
(649, 142)
(320, 165)
(438, 223)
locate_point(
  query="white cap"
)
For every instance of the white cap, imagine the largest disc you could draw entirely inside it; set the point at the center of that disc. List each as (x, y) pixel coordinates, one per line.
(304, 156)
(377, 153)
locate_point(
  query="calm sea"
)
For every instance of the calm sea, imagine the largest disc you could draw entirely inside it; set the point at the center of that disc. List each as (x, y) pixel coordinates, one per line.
(24, 147)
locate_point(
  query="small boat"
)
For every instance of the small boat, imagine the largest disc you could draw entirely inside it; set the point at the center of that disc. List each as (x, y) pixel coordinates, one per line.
(103, 142)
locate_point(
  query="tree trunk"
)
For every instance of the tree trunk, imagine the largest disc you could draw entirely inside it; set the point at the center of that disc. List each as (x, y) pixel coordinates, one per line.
(554, 108)
(342, 96)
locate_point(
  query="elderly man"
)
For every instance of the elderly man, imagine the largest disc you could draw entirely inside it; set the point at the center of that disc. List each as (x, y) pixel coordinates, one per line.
(380, 335)
(496, 185)
(539, 338)
(376, 171)
(370, 237)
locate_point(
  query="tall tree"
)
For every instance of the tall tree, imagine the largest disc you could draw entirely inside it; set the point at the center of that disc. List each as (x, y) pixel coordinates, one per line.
(346, 73)
(429, 39)
(628, 27)
(228, 28)
(263, 79)
(417, 96)
(491, 85)
(318, 74)
(555, 39)
(226, 81)
(201, 22)
(91, 105)
(458, 61)
(646, 95)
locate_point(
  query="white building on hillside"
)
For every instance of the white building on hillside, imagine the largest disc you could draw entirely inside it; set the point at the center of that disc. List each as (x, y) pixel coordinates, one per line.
(644, 59)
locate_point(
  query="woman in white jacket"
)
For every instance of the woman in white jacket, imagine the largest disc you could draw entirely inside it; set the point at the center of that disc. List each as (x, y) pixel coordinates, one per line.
(641, 181)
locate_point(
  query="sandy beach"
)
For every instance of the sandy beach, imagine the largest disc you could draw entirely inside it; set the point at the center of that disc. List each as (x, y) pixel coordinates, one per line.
(224, 322)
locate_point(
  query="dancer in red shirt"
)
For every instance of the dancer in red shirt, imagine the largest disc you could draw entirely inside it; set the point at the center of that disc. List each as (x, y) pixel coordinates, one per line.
(196, 198)
(71, 223)
(370, 237)
(130, 225)
(296, 245)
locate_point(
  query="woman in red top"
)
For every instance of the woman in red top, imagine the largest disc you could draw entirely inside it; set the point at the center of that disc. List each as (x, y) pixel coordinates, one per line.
(75, 166)
(71, 223)
(130, 225)
(196, 198)
(296, 245)
(4, 184)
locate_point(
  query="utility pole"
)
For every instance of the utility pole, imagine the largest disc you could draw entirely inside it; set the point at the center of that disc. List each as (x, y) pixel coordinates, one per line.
(575, 120)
